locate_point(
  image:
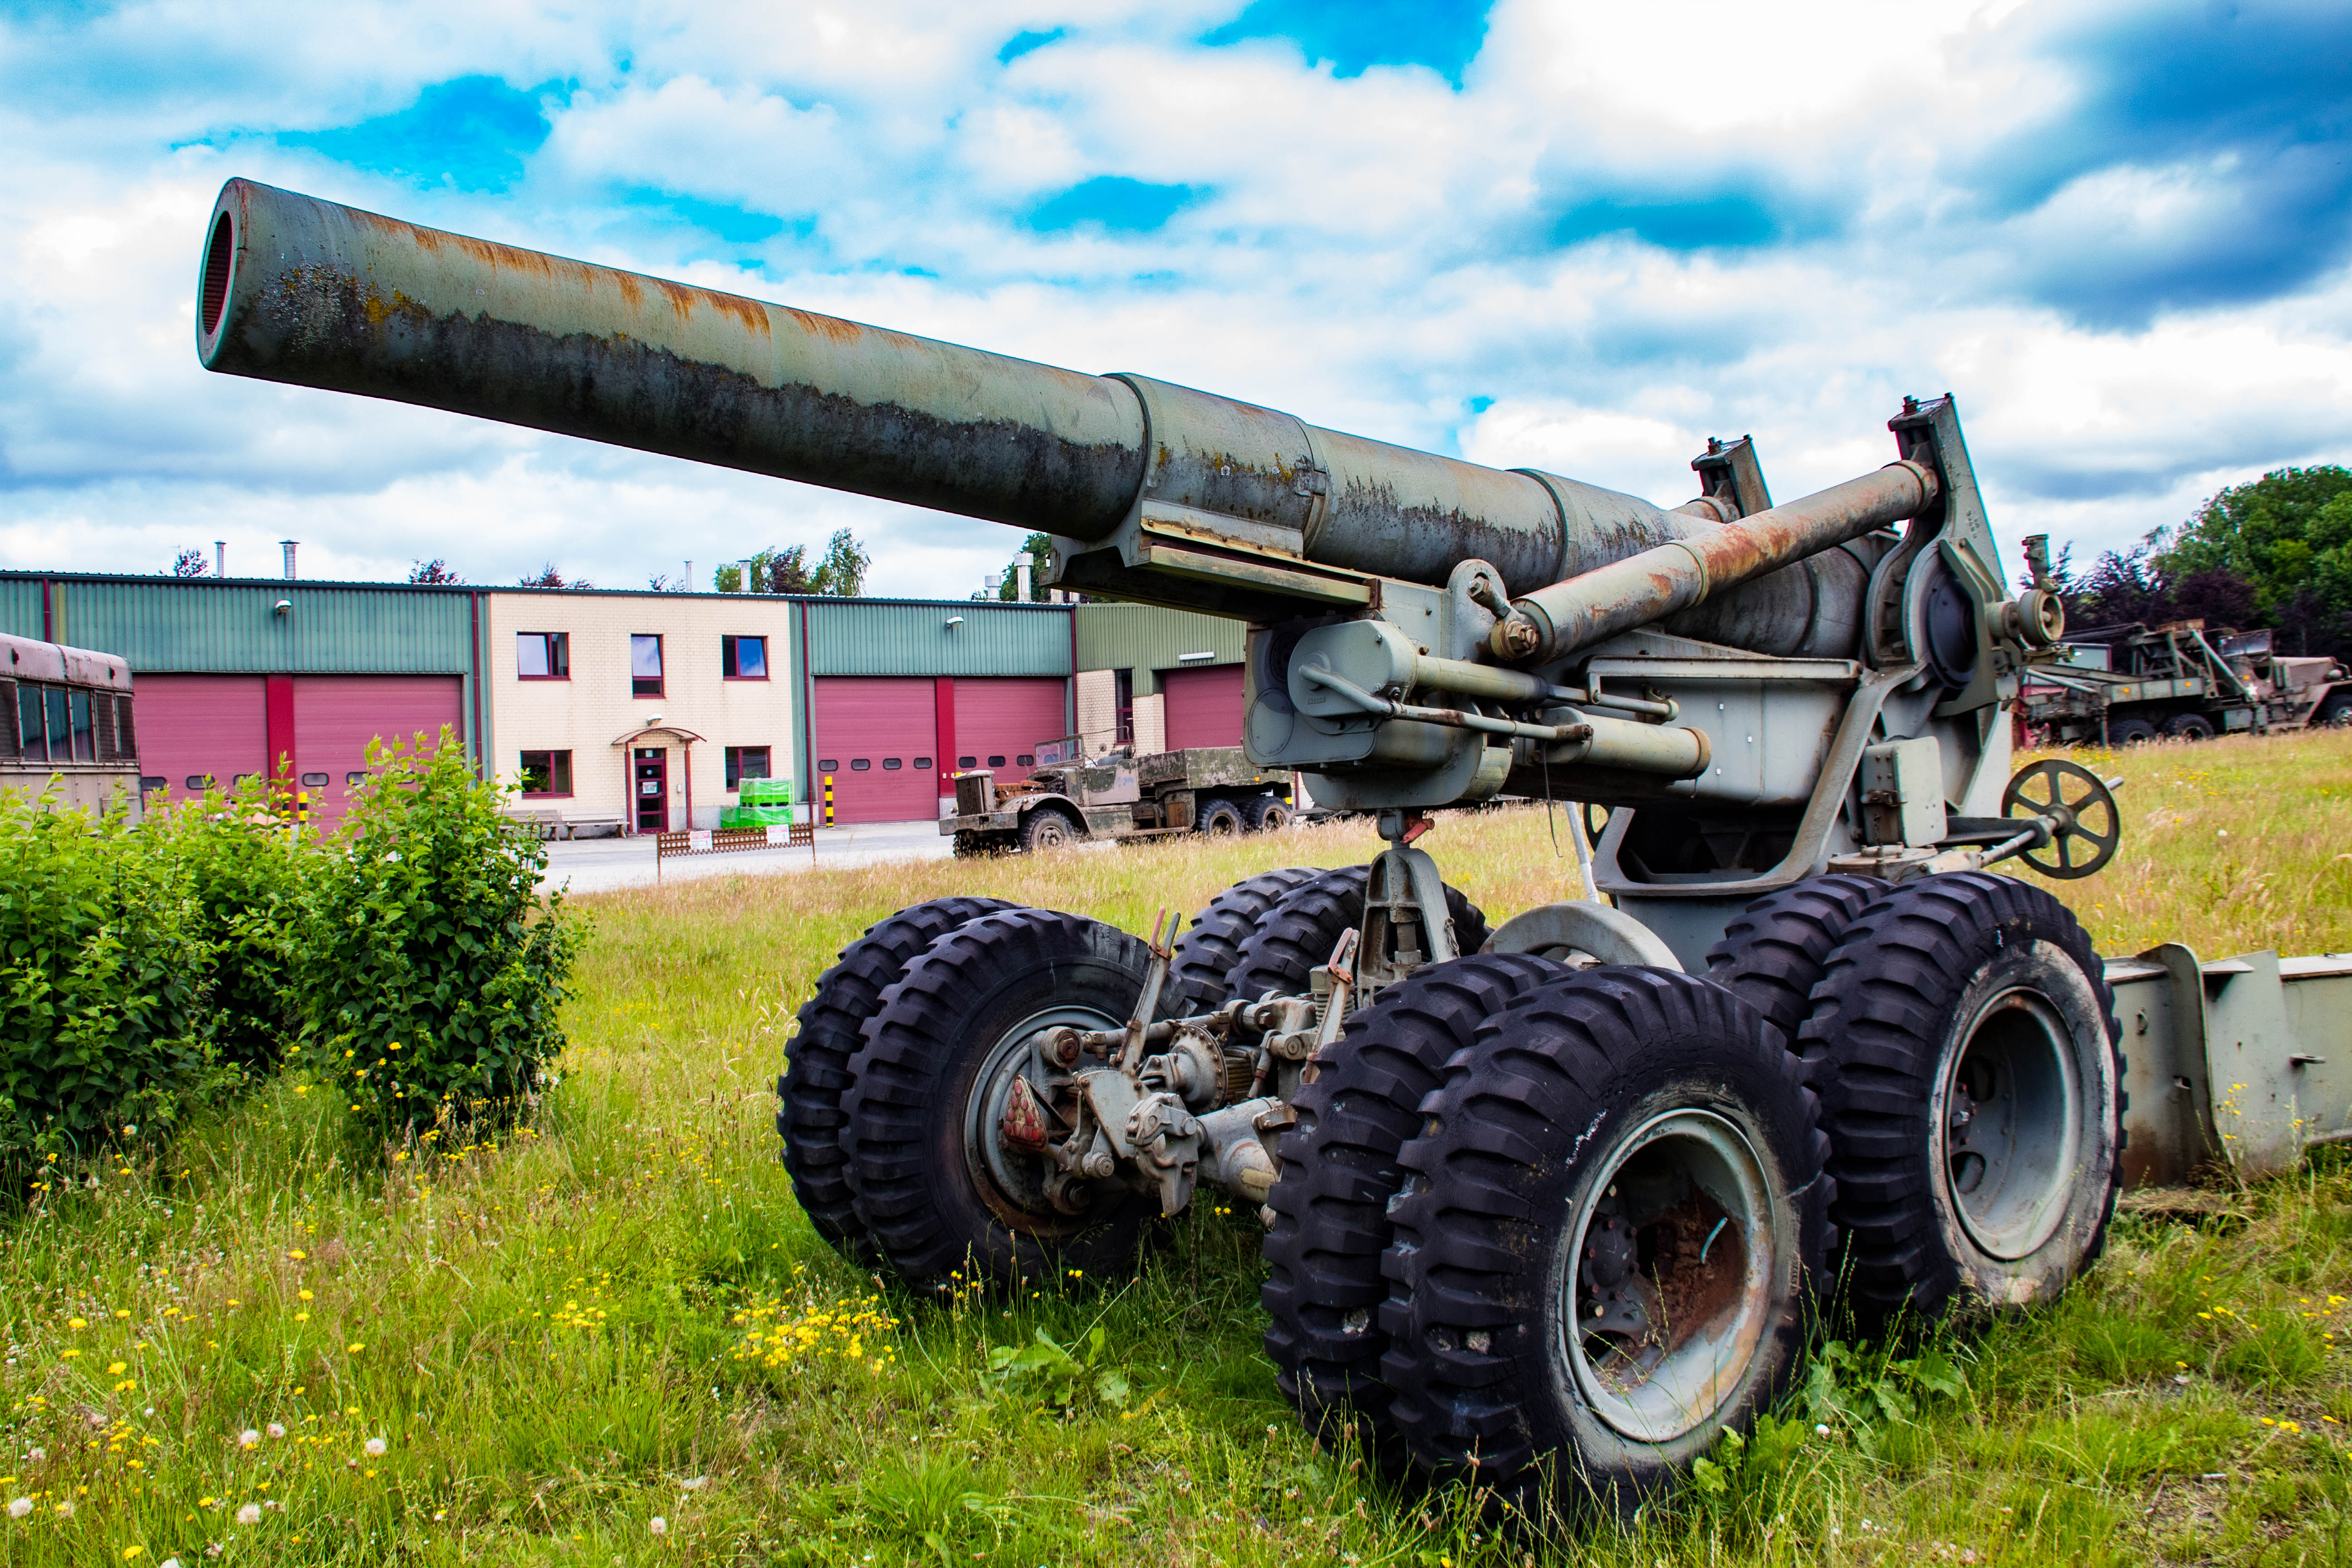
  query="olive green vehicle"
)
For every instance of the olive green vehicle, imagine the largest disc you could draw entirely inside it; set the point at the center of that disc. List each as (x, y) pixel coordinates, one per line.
(1069, 798)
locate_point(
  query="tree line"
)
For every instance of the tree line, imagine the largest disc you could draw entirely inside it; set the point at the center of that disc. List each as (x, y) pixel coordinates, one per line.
(2276, 551)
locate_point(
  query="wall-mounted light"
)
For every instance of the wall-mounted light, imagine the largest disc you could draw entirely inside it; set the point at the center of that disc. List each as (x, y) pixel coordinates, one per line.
(283, 607)
(954, 621)
(1194, 658)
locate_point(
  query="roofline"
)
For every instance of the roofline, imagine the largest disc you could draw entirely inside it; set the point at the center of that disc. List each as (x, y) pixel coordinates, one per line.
(280, 585)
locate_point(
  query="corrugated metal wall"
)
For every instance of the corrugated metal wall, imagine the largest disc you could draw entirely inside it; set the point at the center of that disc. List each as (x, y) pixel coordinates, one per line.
(20, 607)
(887, 636)
(1144, 638)
(166, 624)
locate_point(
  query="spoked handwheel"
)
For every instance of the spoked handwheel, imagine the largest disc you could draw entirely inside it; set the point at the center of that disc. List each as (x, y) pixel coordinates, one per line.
(2086, 828)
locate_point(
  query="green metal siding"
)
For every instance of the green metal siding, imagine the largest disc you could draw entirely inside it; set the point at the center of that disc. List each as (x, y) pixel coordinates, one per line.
(160, 624)
(20, 607)
(871, 637)
(1146, 639)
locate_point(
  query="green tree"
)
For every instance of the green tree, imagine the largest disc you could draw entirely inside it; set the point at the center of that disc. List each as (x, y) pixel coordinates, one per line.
(841, 572)
(1038, 550)
(2288, 532)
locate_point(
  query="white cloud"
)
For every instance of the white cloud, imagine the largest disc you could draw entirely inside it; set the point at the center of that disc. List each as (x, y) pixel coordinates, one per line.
(1369, 252)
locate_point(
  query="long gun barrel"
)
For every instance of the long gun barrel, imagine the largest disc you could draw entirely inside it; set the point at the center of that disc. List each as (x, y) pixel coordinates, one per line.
(301, 291)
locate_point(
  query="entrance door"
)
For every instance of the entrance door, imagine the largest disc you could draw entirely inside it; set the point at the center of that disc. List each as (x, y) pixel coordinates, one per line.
(649, 774)
(1204, 706)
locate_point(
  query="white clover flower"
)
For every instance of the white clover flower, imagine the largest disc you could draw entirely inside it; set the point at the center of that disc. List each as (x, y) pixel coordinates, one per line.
(249, 1438)
(20, 1507)
(276, 1430)
(376, 1447)
(659, 1525)
(1821, 1429)
(694, 1483)
(249, 1514)
(37, 1454)
(169, 1562)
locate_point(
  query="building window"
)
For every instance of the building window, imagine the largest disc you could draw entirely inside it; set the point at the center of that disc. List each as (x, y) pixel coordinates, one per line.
(924, 763)
(1025, 759)
(355, 778)
(743, 658)
(544, 656)
(645, 667)
(859, 765)
(546, 773)
(829, 765)
(32, 738)
(314, 781)
(996, 762)
(746, 761)
(1125, 702)
(892, 764)
(967, 762)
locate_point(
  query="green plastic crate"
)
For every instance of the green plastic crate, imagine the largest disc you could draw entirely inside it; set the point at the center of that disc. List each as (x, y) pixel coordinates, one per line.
(754, 815)
(766, 792)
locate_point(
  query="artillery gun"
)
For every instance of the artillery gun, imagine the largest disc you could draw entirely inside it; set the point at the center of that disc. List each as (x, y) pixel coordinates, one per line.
(1547, 1204)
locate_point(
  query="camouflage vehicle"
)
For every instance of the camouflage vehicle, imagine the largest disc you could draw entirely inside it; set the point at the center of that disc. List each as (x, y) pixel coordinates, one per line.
(1215, 791)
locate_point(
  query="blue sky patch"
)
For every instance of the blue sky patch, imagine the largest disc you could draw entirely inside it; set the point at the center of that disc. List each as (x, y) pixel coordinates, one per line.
(1354, 35)
(472, 132)
(1692, 224)
(1027, 43)
(1111, 202)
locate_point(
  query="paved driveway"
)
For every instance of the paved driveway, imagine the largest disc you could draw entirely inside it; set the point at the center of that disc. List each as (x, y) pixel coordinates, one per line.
(601, 864)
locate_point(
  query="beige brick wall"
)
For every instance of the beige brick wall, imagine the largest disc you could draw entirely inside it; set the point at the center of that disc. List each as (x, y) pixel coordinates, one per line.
(1097, 692)
(1151, 724)
(588, 712)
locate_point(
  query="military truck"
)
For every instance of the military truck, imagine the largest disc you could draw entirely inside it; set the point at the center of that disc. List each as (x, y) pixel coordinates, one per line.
(1215, 791)
(2124, 685)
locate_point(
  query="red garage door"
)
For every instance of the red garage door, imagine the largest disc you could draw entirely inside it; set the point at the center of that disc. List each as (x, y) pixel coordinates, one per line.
(195, 727)
(1000, 721)
(335, 717)
(875, 735)
(1203, 707)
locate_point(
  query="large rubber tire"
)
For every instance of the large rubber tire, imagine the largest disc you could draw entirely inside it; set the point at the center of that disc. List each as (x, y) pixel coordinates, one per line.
(1208, 948)
(1358, 1103)
(1677, 1089)
(1049, 827)
(2130, 733)
(1953, 983)
(1300, 932)
(919, 1172)
(1772, 956)
(2189, 727)
(2335, 710)
(1219, 819)
(825, 1038)
(1265, 814)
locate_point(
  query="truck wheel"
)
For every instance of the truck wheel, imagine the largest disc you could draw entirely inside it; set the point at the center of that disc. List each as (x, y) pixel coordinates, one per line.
(1358, 1105)
(1771, 956)
(943, 1196)
(1609, 1234)
(1205, 954)
(2336, 710)
(1971, 1091)
(1049, 827)
(1219, 819)
(2130, 733)
(1265, 814)
(1300, 932)
(2189, 727)
(825, 1037)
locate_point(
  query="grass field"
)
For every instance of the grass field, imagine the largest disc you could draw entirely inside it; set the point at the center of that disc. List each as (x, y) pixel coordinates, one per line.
(611, 1338)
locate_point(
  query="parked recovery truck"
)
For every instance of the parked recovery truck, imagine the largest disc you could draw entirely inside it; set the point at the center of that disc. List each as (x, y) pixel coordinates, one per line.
(1551, 1201)
(1215, 791)
(2123, 685)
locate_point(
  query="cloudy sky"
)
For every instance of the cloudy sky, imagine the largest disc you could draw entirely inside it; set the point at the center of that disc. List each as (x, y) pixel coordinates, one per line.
(1563, 234)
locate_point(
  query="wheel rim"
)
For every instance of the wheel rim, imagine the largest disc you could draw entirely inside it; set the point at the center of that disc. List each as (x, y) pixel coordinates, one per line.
(1222, 825)
(2008, 1119)
(1009, 1183)
(1049, 833)
(1670, 1288)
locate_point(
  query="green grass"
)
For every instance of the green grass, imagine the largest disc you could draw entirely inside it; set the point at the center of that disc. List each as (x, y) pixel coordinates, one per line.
(619, 1314)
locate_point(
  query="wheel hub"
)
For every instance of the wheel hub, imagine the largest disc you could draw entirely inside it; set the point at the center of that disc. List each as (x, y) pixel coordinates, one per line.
(1010, 1121)
(1669, 1298)
(2009, 1125)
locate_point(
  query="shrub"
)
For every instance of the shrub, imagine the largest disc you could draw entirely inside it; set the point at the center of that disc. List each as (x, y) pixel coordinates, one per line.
(430, 969)
(244, 875)
(102, 983)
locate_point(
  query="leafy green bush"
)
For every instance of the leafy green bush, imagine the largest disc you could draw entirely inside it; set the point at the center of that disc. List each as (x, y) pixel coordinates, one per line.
(244, 875)
(430, 972)
(102, 983)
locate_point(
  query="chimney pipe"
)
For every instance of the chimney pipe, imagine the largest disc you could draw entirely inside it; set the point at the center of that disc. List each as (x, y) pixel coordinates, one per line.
(287, 545)
(1020, 575)
(220, 557)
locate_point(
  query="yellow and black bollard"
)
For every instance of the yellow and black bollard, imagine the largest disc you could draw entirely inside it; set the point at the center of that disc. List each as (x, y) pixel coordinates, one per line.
(828, 800)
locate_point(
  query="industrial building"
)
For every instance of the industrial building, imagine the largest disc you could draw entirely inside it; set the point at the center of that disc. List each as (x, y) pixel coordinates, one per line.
(634, 709)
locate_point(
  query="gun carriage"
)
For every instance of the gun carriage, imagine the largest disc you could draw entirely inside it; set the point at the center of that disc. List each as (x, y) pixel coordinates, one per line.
(1546, 1204)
